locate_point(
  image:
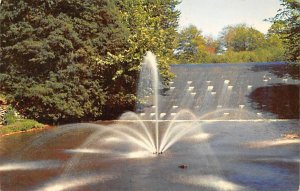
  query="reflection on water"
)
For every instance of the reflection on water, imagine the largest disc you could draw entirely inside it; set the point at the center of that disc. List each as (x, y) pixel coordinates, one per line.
(209, 181)
(241, 149)
(228, 156)
(87, 151)
(280, 99)
(281, 70)
(29, 165)
(68, 183)
(272, 143)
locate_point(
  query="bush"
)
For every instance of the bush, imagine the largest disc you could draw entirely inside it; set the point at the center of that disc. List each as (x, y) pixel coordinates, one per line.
(10, 117)
(22, 125)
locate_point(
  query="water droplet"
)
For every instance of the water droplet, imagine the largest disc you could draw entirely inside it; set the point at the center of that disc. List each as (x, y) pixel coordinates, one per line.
(191, 88)
(162, 115)
(210, 88)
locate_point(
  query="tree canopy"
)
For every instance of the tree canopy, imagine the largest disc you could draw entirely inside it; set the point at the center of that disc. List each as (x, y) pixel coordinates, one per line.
(236, 44)
(73, 60)
(191, 46)
(242, 38)
(287, 24)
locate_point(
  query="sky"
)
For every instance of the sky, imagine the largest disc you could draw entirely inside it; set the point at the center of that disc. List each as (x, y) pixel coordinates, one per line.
(211, 16)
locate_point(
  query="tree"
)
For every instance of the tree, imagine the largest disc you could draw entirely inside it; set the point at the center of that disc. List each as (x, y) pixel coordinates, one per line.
(55, 56)
(274, 43)
(45, 36)
(212, 46)
(191, 46)
(73, 60)
(242, 38)
(152, 25)
(289, 20)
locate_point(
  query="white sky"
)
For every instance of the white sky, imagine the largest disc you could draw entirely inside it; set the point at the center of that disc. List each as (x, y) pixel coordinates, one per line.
(211, 16)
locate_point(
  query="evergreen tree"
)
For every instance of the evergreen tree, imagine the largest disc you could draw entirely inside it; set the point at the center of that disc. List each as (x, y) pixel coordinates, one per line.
(72, 60)
(54, 56)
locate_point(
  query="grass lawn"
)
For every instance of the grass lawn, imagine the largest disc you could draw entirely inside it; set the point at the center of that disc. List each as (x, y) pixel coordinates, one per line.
(21, 125)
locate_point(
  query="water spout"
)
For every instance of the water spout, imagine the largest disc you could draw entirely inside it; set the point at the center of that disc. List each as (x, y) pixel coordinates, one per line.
(162, 115)
(191, 88)
(210, 88)
(151, 63)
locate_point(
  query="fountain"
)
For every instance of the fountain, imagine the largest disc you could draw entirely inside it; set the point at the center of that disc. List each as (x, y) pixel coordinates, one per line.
(205, 124)
(151, 63)
(162, 139)
(149, 79)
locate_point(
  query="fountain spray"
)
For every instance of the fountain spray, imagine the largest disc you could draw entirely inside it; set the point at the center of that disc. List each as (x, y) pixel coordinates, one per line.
(151, 63)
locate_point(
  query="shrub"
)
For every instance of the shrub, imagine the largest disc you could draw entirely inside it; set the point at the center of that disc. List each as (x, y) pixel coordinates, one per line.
(10, 117)
(22, 125)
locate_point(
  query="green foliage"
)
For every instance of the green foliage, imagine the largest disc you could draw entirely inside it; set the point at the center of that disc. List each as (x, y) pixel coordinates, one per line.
(152, 26)
(50, 49)
(287, 25)
(22, 125)
(66, 96)
(10, 116)
(238, 44)
(191, 46)
(73, 60)
(242, 38)
(46, 36)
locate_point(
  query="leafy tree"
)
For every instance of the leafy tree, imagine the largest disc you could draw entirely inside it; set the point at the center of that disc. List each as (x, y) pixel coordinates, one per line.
(274, 43)
(238, 44)
(288, 19)
(73, 60)
(242, 38)
(152, 25)
(191, 46)
(212, 46)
